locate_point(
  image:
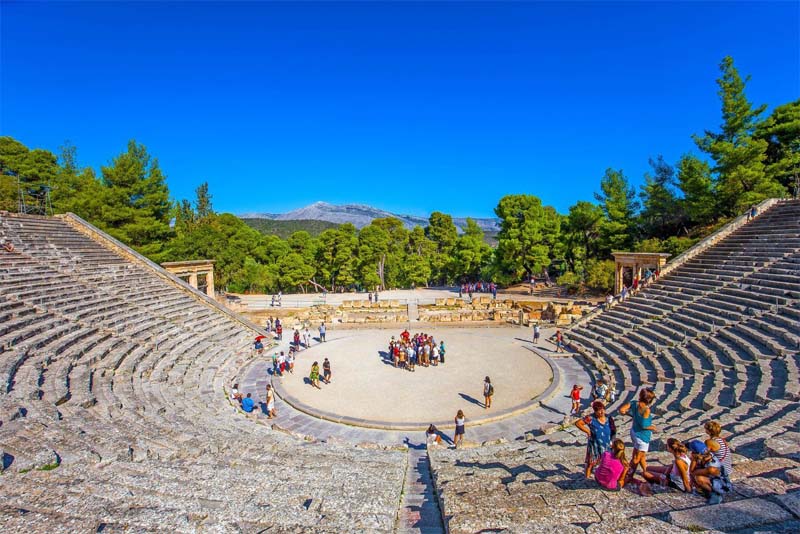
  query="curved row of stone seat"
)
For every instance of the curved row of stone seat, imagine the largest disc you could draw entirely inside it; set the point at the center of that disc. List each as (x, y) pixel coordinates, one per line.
(692, 321)
(538, 485)
(107, 369)
(717, 338)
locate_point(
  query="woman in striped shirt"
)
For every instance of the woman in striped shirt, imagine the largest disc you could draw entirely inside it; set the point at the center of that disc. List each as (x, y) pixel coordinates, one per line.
(717, 446)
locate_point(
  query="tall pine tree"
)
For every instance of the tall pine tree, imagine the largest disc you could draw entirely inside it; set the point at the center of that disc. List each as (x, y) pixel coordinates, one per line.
(741, 179)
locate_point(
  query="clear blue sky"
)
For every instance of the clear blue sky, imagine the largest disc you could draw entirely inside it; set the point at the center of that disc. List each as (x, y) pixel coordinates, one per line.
(410, 107)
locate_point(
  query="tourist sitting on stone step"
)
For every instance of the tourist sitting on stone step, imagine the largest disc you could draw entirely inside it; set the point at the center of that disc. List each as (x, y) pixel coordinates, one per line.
(432, 436)
(236, 394)
(612, 467)
(248, 404)
(718, 446)
(675, 475)
(704, 466)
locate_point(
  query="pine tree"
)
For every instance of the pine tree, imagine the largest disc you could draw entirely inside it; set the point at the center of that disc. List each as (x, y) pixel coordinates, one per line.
(781, 131)
(660, 216)
(137, 205)
(696, 184)
(618, 202)
(739, 157)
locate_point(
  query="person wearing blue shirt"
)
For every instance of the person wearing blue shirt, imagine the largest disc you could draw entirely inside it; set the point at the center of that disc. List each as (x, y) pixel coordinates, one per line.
(248, 404)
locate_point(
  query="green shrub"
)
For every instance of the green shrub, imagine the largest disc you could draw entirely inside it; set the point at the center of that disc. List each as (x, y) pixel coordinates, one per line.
(570, 280)
(600, 275)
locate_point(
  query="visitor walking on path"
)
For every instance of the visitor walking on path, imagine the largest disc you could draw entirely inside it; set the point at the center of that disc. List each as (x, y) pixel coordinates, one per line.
(326, 371)
(575, 394)
(314, 376)
(306, 338)
(271, 413)
(458, 438)
(641, 430)
(322, 333)
(537, 331)
(441, 352)
(600, 429)
(488, 392)
(559, 341)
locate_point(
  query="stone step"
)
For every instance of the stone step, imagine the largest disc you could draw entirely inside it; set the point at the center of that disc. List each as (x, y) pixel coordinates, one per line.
(737, 515)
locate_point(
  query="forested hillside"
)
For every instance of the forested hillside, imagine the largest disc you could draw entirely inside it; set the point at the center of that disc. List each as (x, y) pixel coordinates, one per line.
(749, 157)
(284, 229)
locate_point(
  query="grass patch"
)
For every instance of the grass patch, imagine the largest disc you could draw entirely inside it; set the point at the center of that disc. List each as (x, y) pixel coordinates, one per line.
(48, 467)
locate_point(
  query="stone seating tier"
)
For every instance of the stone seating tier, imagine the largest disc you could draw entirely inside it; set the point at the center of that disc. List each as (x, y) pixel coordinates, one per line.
(118, 375)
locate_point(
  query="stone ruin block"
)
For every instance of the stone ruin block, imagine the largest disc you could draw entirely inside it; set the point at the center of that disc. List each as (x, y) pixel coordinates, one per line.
(394, 303)
(441, 302)
(347, 304)
(535, 315)
(450, 302)
(564, 320)
(383, 304)
(357, 303)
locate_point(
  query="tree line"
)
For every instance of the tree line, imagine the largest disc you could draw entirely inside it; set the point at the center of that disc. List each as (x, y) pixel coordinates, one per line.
(748, 158)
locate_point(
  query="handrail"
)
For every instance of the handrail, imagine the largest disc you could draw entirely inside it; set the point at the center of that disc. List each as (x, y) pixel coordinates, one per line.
(701, 246)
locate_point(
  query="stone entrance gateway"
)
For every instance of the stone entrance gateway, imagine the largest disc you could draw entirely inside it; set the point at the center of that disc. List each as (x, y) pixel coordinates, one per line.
(189, 271)
(636, 261)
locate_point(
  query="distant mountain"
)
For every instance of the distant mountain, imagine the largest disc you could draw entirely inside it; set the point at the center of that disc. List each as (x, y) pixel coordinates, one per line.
(360, 216)
(284, 229)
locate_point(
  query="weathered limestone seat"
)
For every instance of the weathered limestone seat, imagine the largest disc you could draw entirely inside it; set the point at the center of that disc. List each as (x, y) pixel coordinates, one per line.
(115, 373)
(717, 338)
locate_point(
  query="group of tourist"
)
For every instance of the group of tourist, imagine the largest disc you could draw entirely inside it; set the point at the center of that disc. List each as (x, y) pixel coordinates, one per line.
(419, 349)
(326, 373)
(248, 404)
(636, 285)
(477, 287)
(283, 363)
(274, 326)
(700, 466)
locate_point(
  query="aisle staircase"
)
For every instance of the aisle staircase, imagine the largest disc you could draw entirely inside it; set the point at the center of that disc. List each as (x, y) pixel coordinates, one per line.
(419, 512)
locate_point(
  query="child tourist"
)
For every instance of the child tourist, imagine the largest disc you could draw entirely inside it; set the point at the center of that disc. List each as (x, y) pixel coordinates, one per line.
(611, 470)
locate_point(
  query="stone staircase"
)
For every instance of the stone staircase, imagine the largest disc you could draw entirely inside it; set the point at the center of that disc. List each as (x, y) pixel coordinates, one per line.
(419, 511)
